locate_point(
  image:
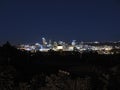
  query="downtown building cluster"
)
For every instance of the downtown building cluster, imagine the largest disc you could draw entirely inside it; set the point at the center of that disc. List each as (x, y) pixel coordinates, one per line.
(73, 46)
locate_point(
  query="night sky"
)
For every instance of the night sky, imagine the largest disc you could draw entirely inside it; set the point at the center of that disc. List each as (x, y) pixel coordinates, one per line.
(27, 21)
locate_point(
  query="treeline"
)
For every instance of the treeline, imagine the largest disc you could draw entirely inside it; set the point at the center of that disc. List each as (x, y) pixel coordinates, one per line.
(23, 70)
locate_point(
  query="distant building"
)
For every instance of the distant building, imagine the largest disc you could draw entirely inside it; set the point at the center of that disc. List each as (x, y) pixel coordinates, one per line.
(70, 48)
(73, 43)
(44, 41)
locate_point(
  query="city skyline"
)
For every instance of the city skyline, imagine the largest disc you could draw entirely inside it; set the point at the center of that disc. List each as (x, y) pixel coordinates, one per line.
(28, 21)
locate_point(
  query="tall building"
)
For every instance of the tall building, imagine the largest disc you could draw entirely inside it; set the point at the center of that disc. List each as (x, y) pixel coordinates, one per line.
(73, 43)
(44, 41)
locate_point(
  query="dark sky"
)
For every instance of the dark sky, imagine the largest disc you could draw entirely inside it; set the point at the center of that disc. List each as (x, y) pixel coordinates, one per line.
(84, 20)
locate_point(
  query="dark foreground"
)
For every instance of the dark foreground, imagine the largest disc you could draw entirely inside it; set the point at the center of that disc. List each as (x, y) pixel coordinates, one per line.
(21, 70)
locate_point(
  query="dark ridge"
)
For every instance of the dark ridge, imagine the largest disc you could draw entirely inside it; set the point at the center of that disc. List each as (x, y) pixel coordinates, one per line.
(30, 69)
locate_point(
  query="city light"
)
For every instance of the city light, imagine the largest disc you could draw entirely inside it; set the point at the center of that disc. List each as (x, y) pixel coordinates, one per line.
(74, 46)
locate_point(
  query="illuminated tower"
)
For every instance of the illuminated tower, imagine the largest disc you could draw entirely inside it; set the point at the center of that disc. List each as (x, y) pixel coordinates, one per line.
(73, 43)
(55, 44)
(44, 41)
(50, 42)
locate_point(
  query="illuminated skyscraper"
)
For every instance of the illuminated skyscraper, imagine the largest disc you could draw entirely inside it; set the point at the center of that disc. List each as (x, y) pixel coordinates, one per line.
(73, 43)
(44, 41)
